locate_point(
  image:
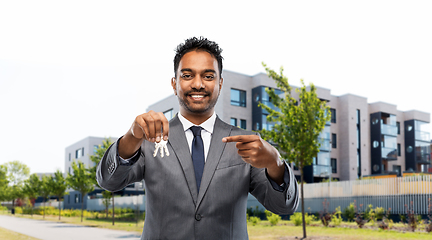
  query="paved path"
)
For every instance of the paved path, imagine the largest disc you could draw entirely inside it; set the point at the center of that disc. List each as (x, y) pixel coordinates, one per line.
(47, 230)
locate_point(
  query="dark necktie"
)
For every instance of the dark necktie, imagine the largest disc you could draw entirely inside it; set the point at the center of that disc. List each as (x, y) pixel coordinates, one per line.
(197, 154)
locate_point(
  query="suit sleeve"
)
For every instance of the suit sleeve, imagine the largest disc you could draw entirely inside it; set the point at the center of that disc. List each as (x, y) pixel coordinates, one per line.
(113, 175)
(274, 200)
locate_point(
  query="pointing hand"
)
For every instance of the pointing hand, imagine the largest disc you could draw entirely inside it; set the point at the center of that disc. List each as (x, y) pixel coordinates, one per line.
(255, 151)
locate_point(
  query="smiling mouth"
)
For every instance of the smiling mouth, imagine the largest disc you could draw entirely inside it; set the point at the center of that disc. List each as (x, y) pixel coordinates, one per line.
(197, 97)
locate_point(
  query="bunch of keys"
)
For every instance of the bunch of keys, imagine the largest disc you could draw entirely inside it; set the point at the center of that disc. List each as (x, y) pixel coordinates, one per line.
(162, 145)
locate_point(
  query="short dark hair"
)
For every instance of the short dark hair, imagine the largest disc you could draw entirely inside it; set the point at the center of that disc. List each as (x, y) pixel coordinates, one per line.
(193, 44)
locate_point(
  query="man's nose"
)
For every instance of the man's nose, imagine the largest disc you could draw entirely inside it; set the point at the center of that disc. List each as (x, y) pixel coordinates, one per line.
(197, 82)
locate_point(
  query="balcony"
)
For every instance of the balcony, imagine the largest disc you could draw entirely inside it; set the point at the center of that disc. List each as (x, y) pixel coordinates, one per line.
(328, 123)
(321, 170)
(389, 153)
(325, 144)
(388, 129)
(423, 157)
(422, 136)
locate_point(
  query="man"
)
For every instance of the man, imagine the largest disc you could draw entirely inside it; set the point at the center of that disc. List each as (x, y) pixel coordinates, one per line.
(200, 190)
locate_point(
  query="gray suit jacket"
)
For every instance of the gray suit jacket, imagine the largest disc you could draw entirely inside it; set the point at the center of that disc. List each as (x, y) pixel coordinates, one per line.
(175, 209)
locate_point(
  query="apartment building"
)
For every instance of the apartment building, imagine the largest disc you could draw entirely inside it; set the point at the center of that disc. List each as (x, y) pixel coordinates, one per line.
(81, 151)
(362, 138)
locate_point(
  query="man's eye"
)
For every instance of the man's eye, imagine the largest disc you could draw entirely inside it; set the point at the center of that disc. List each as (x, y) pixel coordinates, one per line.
(209, 77)
(186, 76)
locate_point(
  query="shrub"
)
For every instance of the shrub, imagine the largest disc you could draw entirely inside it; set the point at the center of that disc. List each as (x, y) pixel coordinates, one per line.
(385, 223)
(273, 218)
(18, 210)
(379, 213)
(296, 218)
(254, 220)
(369, 213)
(254, 212)
(411, 217)
(325, 216)
(402, 218)
(349, 212)
(337, 217)
(428, 227)
(360, 219)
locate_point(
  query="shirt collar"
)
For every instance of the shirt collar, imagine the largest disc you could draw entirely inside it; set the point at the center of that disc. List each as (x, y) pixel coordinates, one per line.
(207, 125)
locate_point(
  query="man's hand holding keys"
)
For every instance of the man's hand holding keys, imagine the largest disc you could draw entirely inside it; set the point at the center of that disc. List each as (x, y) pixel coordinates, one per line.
(151, 126)
(260, 154)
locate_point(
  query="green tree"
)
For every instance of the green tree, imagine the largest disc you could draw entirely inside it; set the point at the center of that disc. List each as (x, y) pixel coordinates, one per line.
(58, 186)
(32, 189)
(17, 172)
(45, 190)
(3, 182)
(80, 181)
(97, 156)
(297, 124)
(106, 200)
(14, 192)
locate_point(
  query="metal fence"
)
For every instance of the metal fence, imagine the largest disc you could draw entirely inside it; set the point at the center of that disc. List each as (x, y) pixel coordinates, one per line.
(394, 193)
(132, 202)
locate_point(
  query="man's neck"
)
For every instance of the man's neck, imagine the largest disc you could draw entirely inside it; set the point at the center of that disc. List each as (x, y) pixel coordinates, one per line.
(197, 119)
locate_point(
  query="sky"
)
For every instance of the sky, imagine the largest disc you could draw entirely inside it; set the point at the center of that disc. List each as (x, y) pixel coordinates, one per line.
(72, 69)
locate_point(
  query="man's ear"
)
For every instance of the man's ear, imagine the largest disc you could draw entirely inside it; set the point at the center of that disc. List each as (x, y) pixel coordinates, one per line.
(220, 84)
(174, 85)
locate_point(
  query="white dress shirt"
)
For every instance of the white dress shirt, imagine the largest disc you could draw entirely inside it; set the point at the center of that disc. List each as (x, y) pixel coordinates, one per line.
(206, 132)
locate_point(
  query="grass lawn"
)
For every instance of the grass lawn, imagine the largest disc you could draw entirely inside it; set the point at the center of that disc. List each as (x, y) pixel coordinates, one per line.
(285, 230)
(9, 235)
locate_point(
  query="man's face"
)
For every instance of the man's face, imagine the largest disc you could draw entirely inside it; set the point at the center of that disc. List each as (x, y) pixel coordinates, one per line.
(198, 84)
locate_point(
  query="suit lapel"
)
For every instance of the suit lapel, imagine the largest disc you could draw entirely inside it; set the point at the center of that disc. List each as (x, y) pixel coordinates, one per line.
(177, 139)
(216, 148)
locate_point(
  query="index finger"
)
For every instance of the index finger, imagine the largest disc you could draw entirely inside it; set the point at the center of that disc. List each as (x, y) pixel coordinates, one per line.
(165, 126)
(241, 138)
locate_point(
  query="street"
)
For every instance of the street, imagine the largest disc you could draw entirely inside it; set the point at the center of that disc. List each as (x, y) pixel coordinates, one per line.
(47, 230)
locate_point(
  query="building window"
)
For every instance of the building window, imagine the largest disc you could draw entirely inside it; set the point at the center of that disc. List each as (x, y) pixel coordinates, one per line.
(397, 169)
(95, 148)
(358, 144)
(233, 121)
(334, 165)
(77, 200)
(79, 153)
(409, 149)
(238, 98)
(168, 114)
(267, 125)
(333, 115)
(68, 198)
(69, 157)
(334, 142)
(243, 123)
(69, 171)
(399, 149)
(398, 127)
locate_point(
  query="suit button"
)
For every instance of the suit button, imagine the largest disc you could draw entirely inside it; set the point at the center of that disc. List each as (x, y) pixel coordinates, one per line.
(198, 217)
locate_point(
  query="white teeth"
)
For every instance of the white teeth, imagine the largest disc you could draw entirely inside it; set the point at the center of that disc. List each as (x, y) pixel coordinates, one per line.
(197, 96)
